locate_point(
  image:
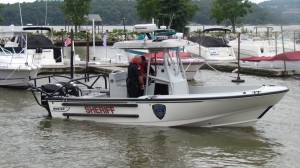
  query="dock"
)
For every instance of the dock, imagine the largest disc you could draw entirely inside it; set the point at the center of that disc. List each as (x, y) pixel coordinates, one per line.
(82, 69)
(249, 70)
(93, 68)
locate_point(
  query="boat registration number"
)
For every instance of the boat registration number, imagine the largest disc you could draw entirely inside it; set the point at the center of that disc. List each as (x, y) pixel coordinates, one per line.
(99, 109)
(213, 51)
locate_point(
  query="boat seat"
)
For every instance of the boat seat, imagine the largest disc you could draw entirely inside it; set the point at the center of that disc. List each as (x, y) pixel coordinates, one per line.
(118, 79)
(119, 76)
(93, 92)
(117, 84)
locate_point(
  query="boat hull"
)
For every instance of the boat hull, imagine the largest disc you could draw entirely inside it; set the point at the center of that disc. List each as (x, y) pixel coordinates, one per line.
(247, 51)
(191, 67)
(17, 76)
(16, 65)
(237, 109)
(213, 53)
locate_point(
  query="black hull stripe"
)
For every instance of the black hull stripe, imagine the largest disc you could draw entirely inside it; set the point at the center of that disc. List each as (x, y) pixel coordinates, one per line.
(11, 79)
(101, 115)
(262, 114)
(112, 100)
(98, 104)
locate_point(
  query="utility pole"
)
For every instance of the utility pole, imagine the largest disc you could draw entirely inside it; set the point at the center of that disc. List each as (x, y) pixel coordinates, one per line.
(124, 28)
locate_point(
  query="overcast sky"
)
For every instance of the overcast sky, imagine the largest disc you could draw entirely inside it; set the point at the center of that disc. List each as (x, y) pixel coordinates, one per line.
(15, 1)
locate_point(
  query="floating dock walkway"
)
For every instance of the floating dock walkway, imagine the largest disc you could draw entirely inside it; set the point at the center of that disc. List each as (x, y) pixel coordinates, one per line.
(108, 68)
(249, 70)
(82, 69)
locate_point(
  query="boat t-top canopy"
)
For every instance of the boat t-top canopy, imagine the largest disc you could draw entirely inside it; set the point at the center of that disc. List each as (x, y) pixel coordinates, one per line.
(151, 44)
(37, 28)
(216, 29)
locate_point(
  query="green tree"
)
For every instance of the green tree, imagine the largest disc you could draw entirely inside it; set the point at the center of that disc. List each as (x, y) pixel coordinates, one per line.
(76, 11)
(1, 8)
(231, 10)
(173, 13)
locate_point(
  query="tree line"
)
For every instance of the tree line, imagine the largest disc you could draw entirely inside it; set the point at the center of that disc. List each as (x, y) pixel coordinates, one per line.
(113, 11)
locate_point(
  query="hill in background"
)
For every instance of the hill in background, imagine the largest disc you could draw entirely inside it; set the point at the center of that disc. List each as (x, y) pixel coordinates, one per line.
(112, 12)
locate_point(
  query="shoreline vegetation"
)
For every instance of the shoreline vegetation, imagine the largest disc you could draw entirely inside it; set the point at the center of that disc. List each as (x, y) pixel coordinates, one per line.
(80, 38)
(117, 33)
(84, 38)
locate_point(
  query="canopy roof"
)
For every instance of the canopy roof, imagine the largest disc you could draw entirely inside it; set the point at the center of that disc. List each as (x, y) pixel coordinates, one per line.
(95, 17)
(208, 41)
(217, 29)
(288, 56)
(39, 41)
(37, 28)
(153, 45)
(172, 54)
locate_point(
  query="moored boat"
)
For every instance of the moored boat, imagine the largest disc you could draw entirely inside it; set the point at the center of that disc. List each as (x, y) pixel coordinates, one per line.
(212, 48)
(41, 47)
(168, 99)
(248, 48)
(287, 60)
(267, 45)
(16, 66)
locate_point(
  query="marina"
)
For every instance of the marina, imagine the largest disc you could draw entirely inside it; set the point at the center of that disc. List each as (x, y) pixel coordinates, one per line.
(224, 67)
(223, 58)
(106, 67)
(271, 142)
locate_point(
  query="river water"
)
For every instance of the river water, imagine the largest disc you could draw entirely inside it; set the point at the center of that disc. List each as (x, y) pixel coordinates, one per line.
(30, 139)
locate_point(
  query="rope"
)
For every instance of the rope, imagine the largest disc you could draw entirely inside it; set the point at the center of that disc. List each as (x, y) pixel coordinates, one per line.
(11, 74)
(212, 67)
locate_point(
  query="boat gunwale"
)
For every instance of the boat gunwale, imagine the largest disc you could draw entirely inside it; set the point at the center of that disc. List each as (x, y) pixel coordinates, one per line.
(148, 99)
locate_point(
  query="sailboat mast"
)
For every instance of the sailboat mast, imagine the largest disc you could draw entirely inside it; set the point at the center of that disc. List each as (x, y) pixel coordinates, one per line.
(46, 14)
(20, 14)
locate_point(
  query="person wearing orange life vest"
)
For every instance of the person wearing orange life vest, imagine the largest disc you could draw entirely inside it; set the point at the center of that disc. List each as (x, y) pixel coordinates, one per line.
(134, 81)
(144, 69)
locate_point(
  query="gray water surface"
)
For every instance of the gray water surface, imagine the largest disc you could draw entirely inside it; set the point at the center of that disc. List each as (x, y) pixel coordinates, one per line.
(30, 139)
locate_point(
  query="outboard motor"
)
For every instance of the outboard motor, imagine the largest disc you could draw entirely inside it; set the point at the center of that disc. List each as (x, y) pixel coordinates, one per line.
(61, 89)
(51, 89)
(56, 88)
(72, 89)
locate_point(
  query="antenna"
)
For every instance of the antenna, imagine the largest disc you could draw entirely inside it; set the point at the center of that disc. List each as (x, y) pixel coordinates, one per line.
(46, 14)
(21, 14)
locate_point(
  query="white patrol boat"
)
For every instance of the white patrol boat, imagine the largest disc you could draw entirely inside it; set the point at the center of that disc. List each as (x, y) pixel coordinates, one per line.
(168, 100)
